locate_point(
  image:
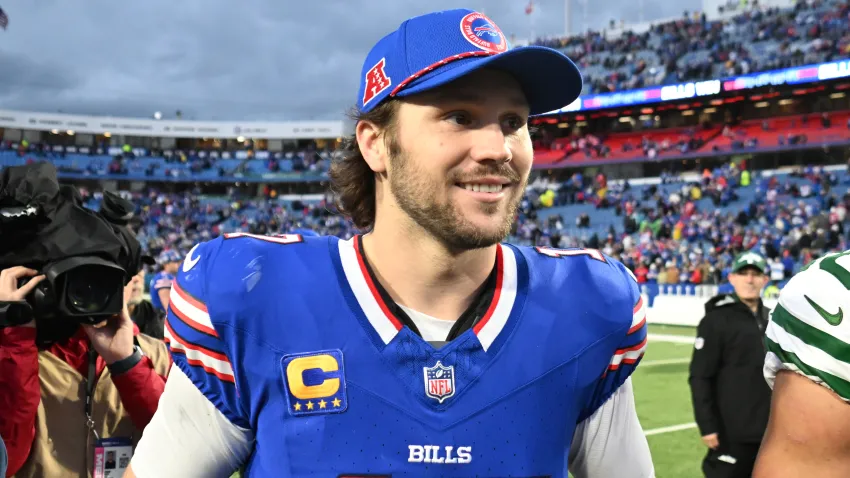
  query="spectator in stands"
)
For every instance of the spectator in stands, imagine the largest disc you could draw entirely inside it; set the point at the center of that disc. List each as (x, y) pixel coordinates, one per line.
(730, 397)
(142, 311)
(43, 387)
(161, 283)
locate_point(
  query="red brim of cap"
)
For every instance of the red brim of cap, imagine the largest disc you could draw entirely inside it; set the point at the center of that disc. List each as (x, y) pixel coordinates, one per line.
(549, 79)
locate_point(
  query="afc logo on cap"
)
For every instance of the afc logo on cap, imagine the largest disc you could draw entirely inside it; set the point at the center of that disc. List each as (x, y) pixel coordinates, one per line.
(479, 30)
(376, 81)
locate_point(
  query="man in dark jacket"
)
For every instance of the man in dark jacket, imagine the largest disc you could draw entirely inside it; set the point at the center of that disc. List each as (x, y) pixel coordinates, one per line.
(142, 312)
(731, 399)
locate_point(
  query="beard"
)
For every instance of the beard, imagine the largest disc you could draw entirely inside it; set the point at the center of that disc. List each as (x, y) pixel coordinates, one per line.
(412, 187)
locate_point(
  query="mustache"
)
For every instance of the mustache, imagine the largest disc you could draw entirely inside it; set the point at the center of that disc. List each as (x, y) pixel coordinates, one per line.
(502, 171)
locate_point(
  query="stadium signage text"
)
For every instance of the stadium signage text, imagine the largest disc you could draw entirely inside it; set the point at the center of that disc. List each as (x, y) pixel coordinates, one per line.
(690, 90)
(170, 128)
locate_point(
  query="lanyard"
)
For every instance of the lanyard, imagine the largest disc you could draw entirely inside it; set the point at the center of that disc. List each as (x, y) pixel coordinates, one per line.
(90, 389)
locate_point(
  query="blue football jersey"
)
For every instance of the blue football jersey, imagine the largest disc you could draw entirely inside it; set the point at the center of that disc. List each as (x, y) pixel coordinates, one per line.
(162, 280)
(288, 336)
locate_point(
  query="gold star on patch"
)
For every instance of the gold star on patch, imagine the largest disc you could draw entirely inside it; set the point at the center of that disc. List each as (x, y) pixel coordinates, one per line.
(337, 402)
(322, 403)
(297, 406)
(309, 405)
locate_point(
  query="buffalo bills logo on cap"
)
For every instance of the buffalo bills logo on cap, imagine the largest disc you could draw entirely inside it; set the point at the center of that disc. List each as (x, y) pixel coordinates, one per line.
(483, 33)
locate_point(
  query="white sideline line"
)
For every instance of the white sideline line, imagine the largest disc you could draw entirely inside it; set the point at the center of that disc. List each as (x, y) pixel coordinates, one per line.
(670, 429)
(650, 363)
(679, 339)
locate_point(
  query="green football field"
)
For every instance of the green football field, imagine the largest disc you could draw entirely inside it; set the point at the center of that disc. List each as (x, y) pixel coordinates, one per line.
(664, 405)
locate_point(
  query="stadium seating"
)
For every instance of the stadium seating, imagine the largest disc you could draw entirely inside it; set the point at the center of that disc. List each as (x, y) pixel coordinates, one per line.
(694, 48)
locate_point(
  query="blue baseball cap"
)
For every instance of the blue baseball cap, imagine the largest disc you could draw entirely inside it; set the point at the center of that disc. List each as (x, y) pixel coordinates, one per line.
(434, 49)
(169, 255)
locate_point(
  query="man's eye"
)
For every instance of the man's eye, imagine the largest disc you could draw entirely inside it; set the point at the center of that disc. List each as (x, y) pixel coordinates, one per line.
(514, 123)
(459, 118)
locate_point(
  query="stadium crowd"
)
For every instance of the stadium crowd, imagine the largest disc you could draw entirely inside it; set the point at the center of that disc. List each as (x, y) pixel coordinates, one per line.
(674, 232)
(694, 48)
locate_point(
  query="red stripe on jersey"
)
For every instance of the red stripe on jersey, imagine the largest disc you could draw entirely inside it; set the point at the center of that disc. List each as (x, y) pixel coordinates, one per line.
(197, 363)
(638, 305)
(374, 290)
(204, 329)
(632, 348)
(637, 326)
(188, 298)
(192, 346)
(500, 272)
(625, 361)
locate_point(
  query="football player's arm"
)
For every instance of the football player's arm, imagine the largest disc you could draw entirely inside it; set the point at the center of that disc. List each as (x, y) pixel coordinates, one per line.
(163, 294)
(808, 433)
(162, 287)
(200, 427)
(807, 366)
(189, 436)
(609, 441)
(705, 362)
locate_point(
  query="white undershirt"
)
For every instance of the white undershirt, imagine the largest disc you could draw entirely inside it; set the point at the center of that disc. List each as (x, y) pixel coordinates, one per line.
(430, 328)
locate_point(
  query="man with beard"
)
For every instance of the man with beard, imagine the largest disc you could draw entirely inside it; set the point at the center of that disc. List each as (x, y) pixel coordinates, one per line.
(425, 347)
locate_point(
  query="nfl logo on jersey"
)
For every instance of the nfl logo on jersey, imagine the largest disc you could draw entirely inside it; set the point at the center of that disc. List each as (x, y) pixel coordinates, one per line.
(440, 381)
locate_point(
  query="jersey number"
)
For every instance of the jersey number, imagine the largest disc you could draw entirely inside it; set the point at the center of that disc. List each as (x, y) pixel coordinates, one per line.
(276, 238)
(552, 252)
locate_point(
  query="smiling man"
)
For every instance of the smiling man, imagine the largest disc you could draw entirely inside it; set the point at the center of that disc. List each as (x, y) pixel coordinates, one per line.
(425, 347)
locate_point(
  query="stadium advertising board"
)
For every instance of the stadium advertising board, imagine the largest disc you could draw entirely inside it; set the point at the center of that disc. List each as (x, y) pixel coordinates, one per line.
(170, 128)
(700, 89)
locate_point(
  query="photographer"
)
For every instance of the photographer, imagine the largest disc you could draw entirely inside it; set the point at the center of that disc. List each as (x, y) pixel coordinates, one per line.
(77, 379)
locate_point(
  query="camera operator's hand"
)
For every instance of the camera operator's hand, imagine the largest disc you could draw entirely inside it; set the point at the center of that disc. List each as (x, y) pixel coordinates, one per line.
(112, 338)
(9, 291)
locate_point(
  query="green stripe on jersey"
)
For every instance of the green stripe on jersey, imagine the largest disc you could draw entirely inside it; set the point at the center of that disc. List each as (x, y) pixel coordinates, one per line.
(811, 336)
(837, 384)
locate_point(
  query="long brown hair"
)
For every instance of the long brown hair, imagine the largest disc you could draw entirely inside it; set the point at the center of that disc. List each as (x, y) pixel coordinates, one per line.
(351, 178)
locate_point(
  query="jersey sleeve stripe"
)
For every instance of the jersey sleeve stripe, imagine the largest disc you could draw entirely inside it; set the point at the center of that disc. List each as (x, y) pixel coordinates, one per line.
(630, 355)
(198, 304)
(196, 356)
(793, 362)
(810, 356)
(638, 316)
(186, 309)
(811, 336)
(194, 346)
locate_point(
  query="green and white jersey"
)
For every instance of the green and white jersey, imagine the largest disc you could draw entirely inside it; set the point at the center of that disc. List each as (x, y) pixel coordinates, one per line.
(808, 331)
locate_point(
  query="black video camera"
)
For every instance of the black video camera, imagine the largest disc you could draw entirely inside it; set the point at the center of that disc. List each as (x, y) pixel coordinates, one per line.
(86, 289)
(87, 257)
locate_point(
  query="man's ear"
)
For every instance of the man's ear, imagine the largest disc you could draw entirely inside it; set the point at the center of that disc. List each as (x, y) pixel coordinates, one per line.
(370, 139)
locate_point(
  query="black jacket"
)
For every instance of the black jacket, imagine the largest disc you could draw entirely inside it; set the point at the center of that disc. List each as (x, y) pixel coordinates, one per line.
(149, 321)
(728, 389)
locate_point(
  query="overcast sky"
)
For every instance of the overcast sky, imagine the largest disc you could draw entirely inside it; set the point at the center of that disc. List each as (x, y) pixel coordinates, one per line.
(220, 59)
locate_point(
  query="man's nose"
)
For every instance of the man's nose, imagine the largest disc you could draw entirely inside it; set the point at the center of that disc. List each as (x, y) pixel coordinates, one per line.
(491, 145)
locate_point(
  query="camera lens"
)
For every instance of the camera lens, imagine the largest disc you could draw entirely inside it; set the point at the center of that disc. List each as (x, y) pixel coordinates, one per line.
(87, 292)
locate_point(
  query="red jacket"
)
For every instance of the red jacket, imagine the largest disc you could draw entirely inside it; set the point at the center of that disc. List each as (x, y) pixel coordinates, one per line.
(20, 394)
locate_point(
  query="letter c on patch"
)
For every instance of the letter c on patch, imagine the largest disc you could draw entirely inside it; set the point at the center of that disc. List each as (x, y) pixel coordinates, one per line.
(295, 377)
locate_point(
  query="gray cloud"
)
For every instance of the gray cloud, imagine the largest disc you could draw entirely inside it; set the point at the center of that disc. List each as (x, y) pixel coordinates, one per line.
(217, 59)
